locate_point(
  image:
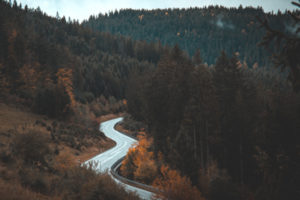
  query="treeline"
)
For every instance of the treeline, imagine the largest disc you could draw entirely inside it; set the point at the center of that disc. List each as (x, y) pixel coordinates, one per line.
(51, 64)
(211, 29)
(229, 128)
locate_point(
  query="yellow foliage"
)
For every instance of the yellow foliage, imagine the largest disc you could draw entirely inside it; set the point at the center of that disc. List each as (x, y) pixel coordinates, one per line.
(13, 33)
(141, 17)
(139, 162)
(174, 186)
(64, 79)
(146, 171)
(146, 167)
(255, 65)
(128, 167)
(29, 76)
(11, 41)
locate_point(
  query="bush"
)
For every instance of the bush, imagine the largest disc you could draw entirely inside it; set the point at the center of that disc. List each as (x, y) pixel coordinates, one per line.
(34, 179)
(63, 162)
(31, 147)
(9, 191)
(84, 183)
(175, 187)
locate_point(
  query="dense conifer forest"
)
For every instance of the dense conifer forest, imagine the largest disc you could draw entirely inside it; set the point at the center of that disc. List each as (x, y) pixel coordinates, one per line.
(211, 29)
(232, 129)
(220, 117)
(33, 44)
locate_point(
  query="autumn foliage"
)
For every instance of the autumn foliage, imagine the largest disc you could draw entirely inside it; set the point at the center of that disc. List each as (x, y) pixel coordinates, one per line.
(174, 186)
(139, 163)
(65, 77)
(143, 166)
(63, 162)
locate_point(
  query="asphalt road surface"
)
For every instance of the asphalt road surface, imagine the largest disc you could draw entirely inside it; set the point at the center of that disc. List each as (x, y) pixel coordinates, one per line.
(106, 159)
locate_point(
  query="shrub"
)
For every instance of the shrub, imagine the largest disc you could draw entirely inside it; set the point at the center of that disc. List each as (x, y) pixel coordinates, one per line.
(128, 167)
(176, 187)
(9, 191)
(84, 183)
(34, 179)
(63, 162)
(31, 147)
(139, 162)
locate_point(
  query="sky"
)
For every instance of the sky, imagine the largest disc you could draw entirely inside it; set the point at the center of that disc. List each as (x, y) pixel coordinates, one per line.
(82, 9)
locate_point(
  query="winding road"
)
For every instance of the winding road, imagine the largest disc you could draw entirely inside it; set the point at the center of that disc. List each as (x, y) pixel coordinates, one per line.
(106, 159)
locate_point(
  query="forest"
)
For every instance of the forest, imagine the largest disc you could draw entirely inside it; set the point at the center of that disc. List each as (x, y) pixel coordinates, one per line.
(213, 93)
(230, 129)
(56, 79)
(98, 64)
(210, 29)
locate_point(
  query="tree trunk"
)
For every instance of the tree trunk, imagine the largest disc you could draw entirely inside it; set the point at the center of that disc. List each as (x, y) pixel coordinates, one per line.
(241, 160)
(195, 144)
(207, 145)
(201, 151)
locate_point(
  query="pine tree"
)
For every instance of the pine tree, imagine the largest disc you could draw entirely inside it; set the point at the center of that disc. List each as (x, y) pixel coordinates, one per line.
(288, 47)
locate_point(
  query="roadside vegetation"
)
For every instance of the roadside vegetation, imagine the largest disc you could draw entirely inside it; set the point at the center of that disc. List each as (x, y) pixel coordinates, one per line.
(40, 159)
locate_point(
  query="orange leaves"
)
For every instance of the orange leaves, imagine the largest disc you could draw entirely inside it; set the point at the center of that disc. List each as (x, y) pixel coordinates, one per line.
(128, 167)
(64, 79)
(29, 76)
(12, 36)
(141, 17)
(175, 186)
(146, 171)
(139, 162)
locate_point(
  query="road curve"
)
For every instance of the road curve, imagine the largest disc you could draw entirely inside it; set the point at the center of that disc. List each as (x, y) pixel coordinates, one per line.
(106, 159)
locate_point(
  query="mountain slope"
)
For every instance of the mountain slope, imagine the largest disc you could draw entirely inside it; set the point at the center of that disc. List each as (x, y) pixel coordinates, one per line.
(210, 29)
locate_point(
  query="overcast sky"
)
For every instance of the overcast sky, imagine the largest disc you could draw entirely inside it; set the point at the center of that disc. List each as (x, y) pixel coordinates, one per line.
(82, 9)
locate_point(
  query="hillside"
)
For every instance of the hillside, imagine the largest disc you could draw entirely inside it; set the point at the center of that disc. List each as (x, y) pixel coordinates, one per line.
(36, 49)
(57, 80)
(211, 29)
